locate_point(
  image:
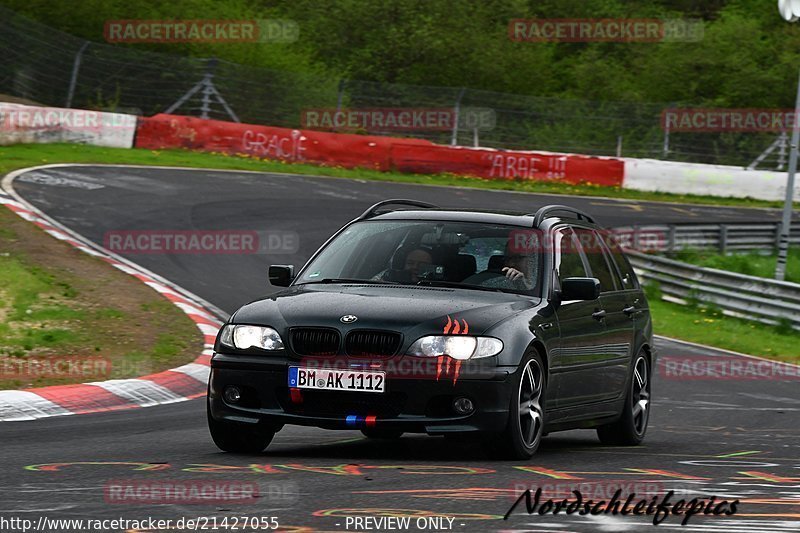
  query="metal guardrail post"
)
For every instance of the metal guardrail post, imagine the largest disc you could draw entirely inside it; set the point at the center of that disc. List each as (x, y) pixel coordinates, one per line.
(723, 239)
(671, 238)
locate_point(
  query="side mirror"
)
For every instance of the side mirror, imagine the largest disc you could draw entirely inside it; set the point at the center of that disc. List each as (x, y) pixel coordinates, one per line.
(281, 275)
(580, 289)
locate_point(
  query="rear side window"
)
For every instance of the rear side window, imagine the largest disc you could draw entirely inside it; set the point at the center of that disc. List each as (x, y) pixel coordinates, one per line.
(629, 280)
(595, 254)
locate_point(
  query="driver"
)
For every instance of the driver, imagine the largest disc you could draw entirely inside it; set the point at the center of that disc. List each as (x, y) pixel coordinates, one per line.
(412, 261)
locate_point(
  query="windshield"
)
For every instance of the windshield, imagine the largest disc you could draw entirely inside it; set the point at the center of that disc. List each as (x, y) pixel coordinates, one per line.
(449, 254)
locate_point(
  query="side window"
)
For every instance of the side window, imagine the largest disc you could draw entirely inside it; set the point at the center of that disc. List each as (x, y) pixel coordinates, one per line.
(595, 255)
(629, 280)
(570, 260)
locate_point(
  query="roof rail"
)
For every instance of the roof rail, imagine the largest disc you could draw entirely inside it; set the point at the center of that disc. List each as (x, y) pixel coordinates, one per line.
(546, 212)
(372, 211)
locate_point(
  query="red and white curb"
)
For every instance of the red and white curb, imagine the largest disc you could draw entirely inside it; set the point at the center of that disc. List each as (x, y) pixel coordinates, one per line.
(175, 385)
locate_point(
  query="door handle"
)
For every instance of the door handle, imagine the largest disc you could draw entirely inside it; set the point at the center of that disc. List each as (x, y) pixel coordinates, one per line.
(629, 310)
(599, 315)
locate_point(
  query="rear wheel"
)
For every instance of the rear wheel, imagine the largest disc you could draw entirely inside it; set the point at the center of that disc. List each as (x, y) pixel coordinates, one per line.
(383, 433)
(524, 430)
(631, 427)
(240, 438)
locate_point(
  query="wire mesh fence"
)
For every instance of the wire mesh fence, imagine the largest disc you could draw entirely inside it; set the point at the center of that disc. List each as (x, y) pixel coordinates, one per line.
(52, 68)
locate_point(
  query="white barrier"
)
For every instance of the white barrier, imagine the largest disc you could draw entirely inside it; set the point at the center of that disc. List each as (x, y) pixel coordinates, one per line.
(30, 124)
(710, 180)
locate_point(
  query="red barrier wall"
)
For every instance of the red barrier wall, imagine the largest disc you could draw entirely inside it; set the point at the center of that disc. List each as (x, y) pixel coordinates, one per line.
(337, 149)
(496, 164)
(377, 152)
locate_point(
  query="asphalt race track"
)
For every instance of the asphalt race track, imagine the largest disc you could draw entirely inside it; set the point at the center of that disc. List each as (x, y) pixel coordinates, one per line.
(734, 439)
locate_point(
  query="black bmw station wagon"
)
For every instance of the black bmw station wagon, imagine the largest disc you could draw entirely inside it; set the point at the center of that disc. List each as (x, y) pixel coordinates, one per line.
(447, 322)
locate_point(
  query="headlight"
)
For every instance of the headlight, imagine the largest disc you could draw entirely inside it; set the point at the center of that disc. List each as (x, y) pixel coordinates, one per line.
(456, 346)
(244, 337)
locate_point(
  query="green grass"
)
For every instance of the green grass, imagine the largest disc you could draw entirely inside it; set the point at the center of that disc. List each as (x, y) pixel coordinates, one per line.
(706, 325)
(35, 305)
(20, 156)
(752, 264)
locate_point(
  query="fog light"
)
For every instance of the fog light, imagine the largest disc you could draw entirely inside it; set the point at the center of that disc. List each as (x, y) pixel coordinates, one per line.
(463, 406)
(232, 394)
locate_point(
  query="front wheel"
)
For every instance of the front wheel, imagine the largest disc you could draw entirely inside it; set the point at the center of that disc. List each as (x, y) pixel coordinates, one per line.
(239, 438)
(631, 427)
(524, 430)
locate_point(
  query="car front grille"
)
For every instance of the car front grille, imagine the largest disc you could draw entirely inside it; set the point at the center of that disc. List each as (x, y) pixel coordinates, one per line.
(372, 343)
(315, 341)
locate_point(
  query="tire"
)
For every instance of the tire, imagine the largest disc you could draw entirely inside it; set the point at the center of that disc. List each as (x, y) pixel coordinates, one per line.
(239, 438)
(524, 430)
(382, 434)
(631, 427)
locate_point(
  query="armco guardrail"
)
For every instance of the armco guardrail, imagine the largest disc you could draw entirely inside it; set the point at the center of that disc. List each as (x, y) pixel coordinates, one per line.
(722, 237)
(752, 298)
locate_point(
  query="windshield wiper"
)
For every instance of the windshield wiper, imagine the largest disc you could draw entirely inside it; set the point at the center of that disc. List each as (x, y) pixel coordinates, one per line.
(456, 285)
(351, 280)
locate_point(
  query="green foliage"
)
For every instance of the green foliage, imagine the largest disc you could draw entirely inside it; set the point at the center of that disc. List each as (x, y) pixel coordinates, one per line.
(748, 57)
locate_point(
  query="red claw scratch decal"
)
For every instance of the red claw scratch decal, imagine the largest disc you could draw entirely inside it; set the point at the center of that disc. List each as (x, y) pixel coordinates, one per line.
(456, 327)
(453, 327)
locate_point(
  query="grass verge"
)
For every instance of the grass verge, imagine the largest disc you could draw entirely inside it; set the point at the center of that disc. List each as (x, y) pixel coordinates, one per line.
(67, 317)
(20, 156)
(752, 264)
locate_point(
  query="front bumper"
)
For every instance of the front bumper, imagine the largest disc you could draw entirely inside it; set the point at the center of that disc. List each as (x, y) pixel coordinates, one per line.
(410, 404)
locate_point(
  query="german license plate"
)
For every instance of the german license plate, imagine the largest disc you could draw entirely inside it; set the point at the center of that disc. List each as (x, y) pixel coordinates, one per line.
(345, 380)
